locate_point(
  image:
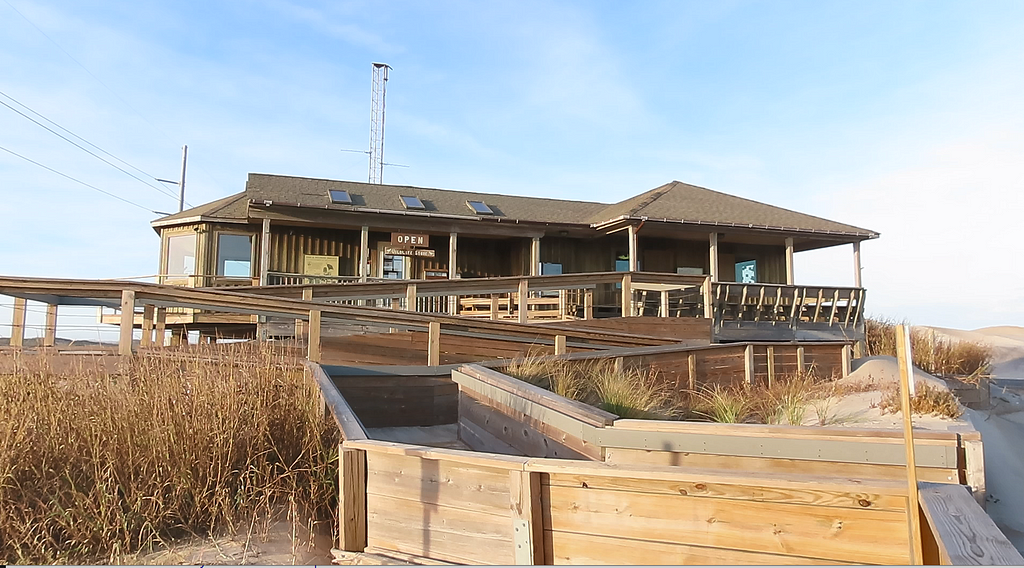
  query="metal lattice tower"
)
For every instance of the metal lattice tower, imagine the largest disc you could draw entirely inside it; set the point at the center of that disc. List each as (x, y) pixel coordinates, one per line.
(378, 92)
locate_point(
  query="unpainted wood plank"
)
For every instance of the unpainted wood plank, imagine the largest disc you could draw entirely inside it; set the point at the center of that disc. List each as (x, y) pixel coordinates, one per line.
(527, 517)
(124, 343)
(438, 482)
(455, 456)
(480, 440)
(777, 465)
(50, 333)
(352, 499)
(903, 357)
(974, 456)
(875, 435)
(715, 484)
(528, 435)
(18, 323)
(862, 536)
(314, 336)
(437, 532)
(587, 549)
(964, 534)
(434, 344)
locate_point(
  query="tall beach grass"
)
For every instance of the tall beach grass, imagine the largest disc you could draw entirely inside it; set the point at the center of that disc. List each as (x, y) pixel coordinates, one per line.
(932, 355)
(97, 465)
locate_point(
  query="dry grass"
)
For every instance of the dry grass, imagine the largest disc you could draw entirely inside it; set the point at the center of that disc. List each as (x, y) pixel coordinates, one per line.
(96, 465)
(932, 355)
(927, 400)
(730, 405)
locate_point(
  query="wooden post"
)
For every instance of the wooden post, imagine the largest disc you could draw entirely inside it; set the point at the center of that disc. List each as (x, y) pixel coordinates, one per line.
(494, 306)
(627, 295)
(974, 454)
(535, 256)
(352, 499)
(524, 293)
(307, 295)
(847, 360)
(789, 261)
(50, 332)
(856, 266)
(147, 325)
(713, 252)
(161, 326)
(527, 519)
(691, 366)
(631, 233)
(748, 365)
(18, 323)
(410, 297)
(433, 344)
(562, 304)
(314, 336)
(588, 304)
(124, 344)
(913, 507)
(364, 253)
(771, 365)
(708, 299)
(801, 365)
(559, 345)
(265, 254)
(453, 272)
(663, 308)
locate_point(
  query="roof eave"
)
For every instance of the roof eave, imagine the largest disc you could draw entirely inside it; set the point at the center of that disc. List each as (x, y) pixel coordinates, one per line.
(817, 232)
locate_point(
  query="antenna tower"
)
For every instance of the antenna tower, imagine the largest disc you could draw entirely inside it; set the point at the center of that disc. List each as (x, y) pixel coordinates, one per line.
(378, 92)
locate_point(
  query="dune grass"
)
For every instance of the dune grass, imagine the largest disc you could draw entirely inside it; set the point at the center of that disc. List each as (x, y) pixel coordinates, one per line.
(96, 465)
(926, 400)
(936, 356)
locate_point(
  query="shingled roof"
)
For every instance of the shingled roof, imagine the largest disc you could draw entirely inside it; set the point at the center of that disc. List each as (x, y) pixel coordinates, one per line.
(674, 201)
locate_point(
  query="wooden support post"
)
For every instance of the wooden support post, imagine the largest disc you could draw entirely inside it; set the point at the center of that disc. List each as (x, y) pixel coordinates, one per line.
(453, 254)
(352, 499)
(559, 345)
(631, 234)
(858, 349)
(18, 323)
(147, 325)
(663, 307)
(161, 326)
(410, 297)
(265, 254)
(433, 344)
(124, 344)
(494, 306)
(627, 296)
(847, 360)
(709, 306)
(913, 507)
(50, 332)
(527, 519)
(364, 253)
(535, 256)
(691, 366)
(307, 295)
(524, 293)
(588, 304)
(748, 365)
(713, 252)
(974, 454)
(314, 336)
(562, 304)
(856, 266)
(771, 365)
(789, 261)
(801, 364)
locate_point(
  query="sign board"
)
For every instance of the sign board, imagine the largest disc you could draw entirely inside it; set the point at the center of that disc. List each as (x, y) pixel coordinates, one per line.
(320, 265)
(403, 251)
(407, 240)
(746, 271)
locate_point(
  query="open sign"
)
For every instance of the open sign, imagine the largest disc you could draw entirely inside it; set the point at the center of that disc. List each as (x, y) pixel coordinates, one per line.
(410, 240)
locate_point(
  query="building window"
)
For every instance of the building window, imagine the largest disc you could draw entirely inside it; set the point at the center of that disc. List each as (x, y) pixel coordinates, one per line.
(181, 255)
(234, 255)
(412, 202)
(340, 196)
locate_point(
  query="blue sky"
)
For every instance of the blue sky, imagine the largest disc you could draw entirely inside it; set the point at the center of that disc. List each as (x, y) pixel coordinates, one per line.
(905, 118)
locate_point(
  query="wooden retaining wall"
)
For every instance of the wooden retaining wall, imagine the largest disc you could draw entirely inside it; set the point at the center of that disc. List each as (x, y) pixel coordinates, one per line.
(552, 422)
(398, 396)
(693, 331)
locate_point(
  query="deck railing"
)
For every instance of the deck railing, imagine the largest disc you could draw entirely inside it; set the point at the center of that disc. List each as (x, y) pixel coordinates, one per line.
(748, 311)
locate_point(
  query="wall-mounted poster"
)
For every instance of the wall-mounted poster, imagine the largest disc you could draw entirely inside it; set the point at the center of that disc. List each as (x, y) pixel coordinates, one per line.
(320, 265)
(746, 271)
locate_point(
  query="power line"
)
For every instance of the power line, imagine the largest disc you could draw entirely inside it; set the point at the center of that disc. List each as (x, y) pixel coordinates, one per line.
(143, 207)
(86, 69)
(40, 115)
(87, 151)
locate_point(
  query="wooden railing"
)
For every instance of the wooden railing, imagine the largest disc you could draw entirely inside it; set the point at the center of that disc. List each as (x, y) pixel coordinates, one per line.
(778, 312)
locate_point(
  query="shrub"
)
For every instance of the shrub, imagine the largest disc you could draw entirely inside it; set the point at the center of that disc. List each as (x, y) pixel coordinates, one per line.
(927, 399)
(724, 404)
(96, 465)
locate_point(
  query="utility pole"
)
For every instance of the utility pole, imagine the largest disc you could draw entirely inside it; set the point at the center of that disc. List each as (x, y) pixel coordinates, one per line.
(181, 184)
(181, 181)
(377, 93)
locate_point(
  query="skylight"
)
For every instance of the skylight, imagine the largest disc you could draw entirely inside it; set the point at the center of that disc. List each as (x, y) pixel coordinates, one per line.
(480, 208)
(412, 202)
(340, 196)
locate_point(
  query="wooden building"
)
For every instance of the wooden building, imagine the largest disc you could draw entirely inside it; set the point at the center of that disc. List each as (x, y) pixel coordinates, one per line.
(284, 229)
